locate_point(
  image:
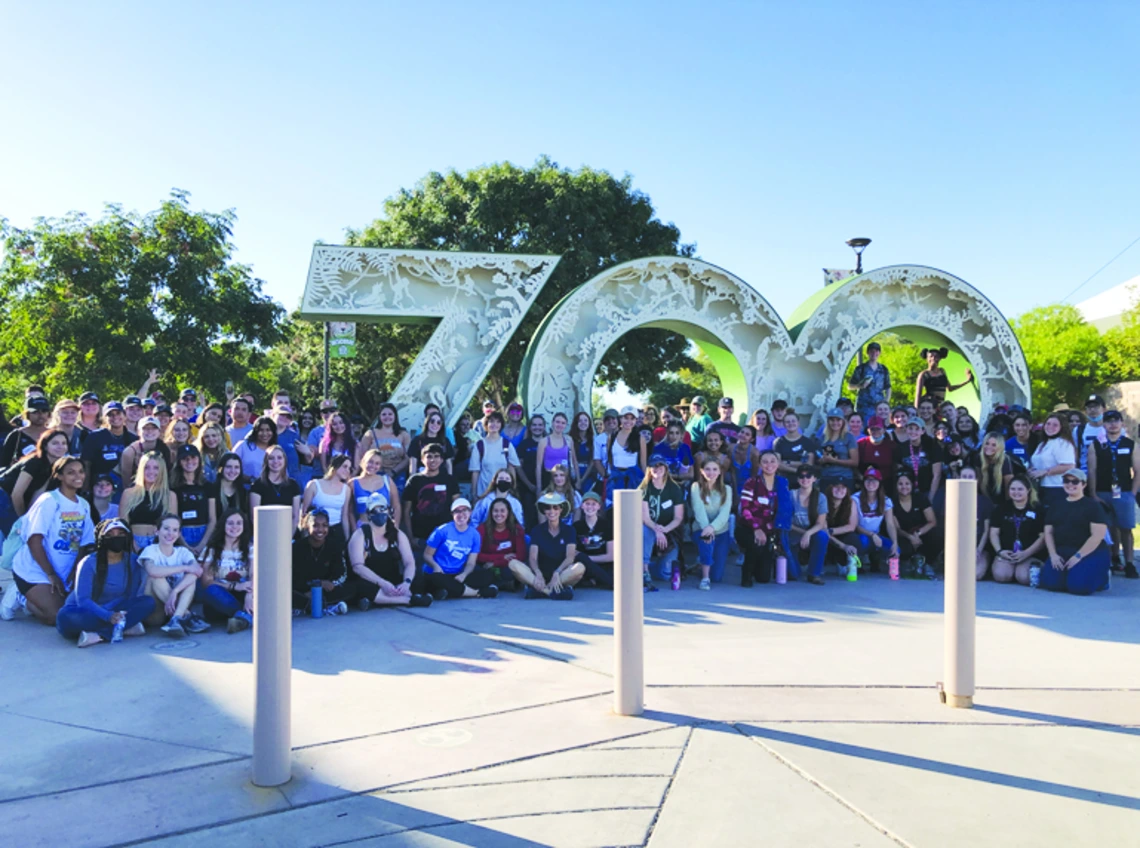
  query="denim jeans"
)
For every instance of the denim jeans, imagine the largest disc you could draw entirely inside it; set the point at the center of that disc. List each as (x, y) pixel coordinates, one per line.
(714, 554)
(651, 554)
(1087, 576)
(817, 552)
(70, 621)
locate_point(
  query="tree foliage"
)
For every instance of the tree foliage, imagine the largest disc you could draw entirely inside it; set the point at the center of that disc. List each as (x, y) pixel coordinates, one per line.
(95, 304)
(1122, 348)
(902, 358)
(589, 217)
(1065, 355)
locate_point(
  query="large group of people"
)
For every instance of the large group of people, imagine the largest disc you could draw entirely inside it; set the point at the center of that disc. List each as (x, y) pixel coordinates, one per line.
(123, 514)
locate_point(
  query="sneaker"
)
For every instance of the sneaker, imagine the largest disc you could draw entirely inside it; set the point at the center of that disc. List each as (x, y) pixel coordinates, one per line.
(420, 600)
(815, 580)
(567, 594)
(1117, 565)
(240, 621)
(340, 608)
(1130, 571)
(649, 587)
(137, 630)
(13, 601)
(491, 591)
(297, 613)
(194, 623)
(531, 593)
(646, 580)
(439, 594)
(173, 628)
(705, 584)
(364, 604)
(928, 571)
(86, 639)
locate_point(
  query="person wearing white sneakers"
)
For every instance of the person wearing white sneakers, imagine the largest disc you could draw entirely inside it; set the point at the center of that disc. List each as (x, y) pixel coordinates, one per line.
(173, 573)
(107, 602)
(712, 507)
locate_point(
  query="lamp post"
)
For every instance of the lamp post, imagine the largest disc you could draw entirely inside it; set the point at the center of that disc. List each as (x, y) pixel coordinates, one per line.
(858, 245)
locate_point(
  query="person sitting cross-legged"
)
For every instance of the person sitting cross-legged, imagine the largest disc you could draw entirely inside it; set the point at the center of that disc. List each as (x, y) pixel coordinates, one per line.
(318, 557)
(450, 557)
(552, 571)
(383, 567)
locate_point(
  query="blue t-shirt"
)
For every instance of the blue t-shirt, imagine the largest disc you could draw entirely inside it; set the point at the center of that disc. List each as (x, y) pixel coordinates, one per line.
(678, 457)
(452, 547)
(288, 441)
(552, 549)
(1014, 448)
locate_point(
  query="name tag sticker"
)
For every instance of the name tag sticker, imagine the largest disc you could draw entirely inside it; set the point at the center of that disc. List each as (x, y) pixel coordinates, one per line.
(111, 456)
(763, 501)
(440, 487)
(1124, 451)
(1031, 514)
(797, 448)
(31, 448)
(190, 514)
(505, 546)
(666, 504)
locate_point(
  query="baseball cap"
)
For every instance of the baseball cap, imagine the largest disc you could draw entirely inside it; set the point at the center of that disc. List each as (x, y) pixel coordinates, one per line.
(328, 406)
(835, 412)
(112, 524)
(610, 413)
(150, 402)
(132, 400)
(916, 421)
(66, 403)
(658, 459)
(726, 401)
(807, 471)
(189, 450)
(515, 405)
(149, 421)
(459, 503)
(188, 393)
(873, 473)
(699, 400)
(37, 404)
(591, 496)
(283, 409)
(779, 404)
(377, 500)
(1113, 415)
(158, 410)
(845, 402)
(1076, 472)
(1095, 399)
(628, 410)
(488, 402)
(112, 405)
(86, 396)
(876, 421)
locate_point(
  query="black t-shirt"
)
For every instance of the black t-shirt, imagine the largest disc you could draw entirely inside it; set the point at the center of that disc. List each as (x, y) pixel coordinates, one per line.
(276, 494)
(727, 429)
(1018, 525)
(1070, 521)
(193, 505)
(911, 520)
(103, 449)
(39, 470)
(527, 451)
(1114, 457)
(552, 549)
(429, 500)
(17, 445)
(415, 449)
(919, 460)
(797, 451)
(593, 542)
(239, 500)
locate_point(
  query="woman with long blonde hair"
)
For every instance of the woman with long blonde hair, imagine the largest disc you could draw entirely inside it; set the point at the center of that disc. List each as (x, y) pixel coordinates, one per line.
(148, 499)
(212, 443)
(995, 469)
(561, 482)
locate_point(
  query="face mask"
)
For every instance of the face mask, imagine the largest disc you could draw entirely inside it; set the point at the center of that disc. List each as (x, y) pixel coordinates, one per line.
(503, 486)
(378, 516)
(1096, 419)
(116, 544)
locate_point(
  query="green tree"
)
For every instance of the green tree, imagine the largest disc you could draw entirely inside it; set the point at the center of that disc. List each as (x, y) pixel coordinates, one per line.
(95, 304)
(589, 217)
(1065, 355)
(1122, 349)
(699, 378)
(901, 356)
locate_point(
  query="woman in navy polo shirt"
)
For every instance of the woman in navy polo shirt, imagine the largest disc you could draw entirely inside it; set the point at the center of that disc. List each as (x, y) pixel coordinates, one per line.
(553, 570)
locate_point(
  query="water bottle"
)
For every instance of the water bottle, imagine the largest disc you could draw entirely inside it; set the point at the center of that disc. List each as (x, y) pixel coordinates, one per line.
(893, 566)
(781, 569)
(853, 568)
(118, 628)
(1034, 576)
(316, 599)
(675, 581)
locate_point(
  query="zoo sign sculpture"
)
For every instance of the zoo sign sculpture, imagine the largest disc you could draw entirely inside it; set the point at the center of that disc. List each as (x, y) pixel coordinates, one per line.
(481, 298)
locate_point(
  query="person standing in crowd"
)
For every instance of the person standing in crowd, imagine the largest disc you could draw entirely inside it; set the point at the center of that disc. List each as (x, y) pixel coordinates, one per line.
(501, 542)
(89, 412)
(26, 479)
(172, 573)
(677, 453)
(553, 568)
(872, 381)
(383, 568)
(317, 559)
(149, 439)
(1022, 444)
(481, 425)
(163, 414)
(333, 494)
(560, 484)
(372, 479)
(240, 413)
(595, 532)
(306, 423)
(22, 441)
(965, 428)
(699, 421)
(553, 450)
(926, 415)
(779, 410)
(227, 573)
(1114, 470)
(528, 481)
(491, 454)
(583, 439)
(1017, 533)
(899, 418)
(765, 509)
(451, 553)
(273, 486)
(625, 455)
(725, 425)
(808, 531)
(1055, 455)
(107, 602)
(196, 509)
(875, 451)
(230, 490)
(668, 415)
(211, 444)
(1093, 430)
(921, 456)
(793, 449)
(327, 408)
(64, 417)
(855, 426)
(647, 424)
(712, 507)
(147, 499)
(428, 496)
(251, 450)
(177, 434)
(55, 529)
(601, 443)
(714, 449)
(1075, 530)
(994, 468)
(337, 441)
(514, 431)
(102, 507)
(838, 453)
(933, 382)
(915, 522)
(297, 451)
(434, 434)
(765, 435)
(502, 487)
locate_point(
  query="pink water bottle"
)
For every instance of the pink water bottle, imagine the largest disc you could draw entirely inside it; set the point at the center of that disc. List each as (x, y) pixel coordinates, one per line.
(893, 566)
(781, 569)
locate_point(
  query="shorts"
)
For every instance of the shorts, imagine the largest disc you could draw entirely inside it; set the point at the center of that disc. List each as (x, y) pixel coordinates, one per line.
(193, 534)
(1123, 508)
(23, 585)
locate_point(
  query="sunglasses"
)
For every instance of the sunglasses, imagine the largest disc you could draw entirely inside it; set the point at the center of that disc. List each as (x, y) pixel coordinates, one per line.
(1071, 481)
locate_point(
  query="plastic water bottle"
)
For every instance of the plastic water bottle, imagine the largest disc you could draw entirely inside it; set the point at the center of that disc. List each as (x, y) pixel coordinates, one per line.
(781, 569)
(893, 567)
(1034, 576)
(675, 580)
(852, 568)
(118, 628)
(316, 599)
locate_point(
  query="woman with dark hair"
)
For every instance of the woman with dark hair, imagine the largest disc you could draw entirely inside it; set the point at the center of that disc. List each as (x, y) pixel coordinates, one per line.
(515, 430)
(625, 454)
(501, 543)
(227, 572)
(333, 494)
(230, 490)
(933, 382)
(382, 561)
(1017, 533)
(107, 602)
(392, 440)
(1079, 557)
(251, 450)
(915, 524)
(966, 429)
(1022, 444)
(1054, 457)
(337, 440)
(21, 484)
(196, 509)
(876, 522)
(274, 486)
(808, 532)
(491, 454)
(765, 435)
(842, 520)
(582, 435)
(55, 529)
(765, 509)
(435, 433)
(463, 444)
(712, 507)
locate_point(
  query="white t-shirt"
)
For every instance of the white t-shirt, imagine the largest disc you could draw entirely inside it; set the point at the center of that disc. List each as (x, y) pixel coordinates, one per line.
(492, 459)
(180, 557)
(600, 440)
(65, 525)
(871, 523)
(252, 458)
(1049, 454)
(1092, 433)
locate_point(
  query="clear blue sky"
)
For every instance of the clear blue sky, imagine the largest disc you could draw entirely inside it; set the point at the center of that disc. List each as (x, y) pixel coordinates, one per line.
(998, 141)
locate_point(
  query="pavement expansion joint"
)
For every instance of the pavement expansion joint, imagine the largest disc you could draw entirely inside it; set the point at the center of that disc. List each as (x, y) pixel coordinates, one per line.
(669, 787)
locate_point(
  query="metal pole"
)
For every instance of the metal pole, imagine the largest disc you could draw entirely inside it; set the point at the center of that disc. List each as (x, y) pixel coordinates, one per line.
(326, 393)
(272, 643)
(959, 648)
(629, 605)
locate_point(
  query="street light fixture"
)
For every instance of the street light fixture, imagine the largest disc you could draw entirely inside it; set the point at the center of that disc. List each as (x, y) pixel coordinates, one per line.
(858, 245)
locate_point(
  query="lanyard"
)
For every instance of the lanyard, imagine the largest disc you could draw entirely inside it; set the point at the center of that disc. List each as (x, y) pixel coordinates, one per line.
(1113, 460)
(1017, 519)
(914, 457)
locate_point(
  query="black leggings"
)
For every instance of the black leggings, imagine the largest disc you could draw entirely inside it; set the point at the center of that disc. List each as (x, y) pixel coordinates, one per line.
(759, 560)
(478, 580)
(603, 575)
(348, 591)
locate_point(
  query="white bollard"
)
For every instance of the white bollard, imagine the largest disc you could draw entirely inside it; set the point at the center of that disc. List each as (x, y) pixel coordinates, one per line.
(961, 593)
(629, 605)
(272, 643)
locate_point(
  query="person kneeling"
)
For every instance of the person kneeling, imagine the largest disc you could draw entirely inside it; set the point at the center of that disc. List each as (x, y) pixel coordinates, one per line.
(173, 573)
(553, 549)
(381, 556)
(450, 556)
(1075, 530)
(107, 602)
